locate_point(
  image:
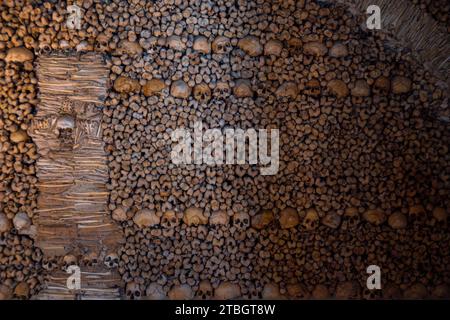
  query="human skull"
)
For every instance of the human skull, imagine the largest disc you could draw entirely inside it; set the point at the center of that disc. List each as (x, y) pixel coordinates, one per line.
(251, 46)
(351, 218)
(315, 48)
(401, 85)
(65, 121)
(320, 292)
(90, 259)
(360, 89)
(331, 220)
(262, 220)
(181, 292)
(397, 220)
(271, 291)
(169, 219)
(288, 89)
(312, 87)
(251, 292)
(69, 260)
(374, 216)
(221, 45)
(180, 89)
(439, 214)
(194, 216)
(227, 291)
(112, 260)
(241, 220)
(49, 263)
(126, 85)
(130, 48)
(347, 290)
(155, 291)
(202, 45)
(417, 213)
(338, 50)
(289, 218)
(202, 93)
(102, 42)
(21, 222)
(273, 48)
(19, 54)
(297, 291)
(133, 291)
(146, 218)
(205, 290)
(5, 224)
(222, 90)
(219, 218)
(153, 87)
(243, 88)
(175, 43)
(22, 291)
(338, 88)
(6, 293)
(441, 291)
(119, 214)
(311, 220)
(416, 291)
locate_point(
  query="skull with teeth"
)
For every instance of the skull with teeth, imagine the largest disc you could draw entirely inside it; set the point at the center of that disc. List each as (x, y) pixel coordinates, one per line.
(222, 90)
(205, 290)
(133, 291)
(202, 93)
(221, 45)
(241, 220)
(112, 260)
(169, 219)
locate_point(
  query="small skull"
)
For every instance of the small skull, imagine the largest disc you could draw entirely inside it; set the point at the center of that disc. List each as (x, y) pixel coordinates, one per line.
(102, 42)
(6, 293)
(271, 291)
(227, 291)
(202, 93)
(219, 218)
(169, 219)
(112, 260)
(222, 90)
(180, 89)
(194, 216)
(416, 292)
(21, 222)
(347, 290)
(315, 48)
(439, 215)
(360, 89)
(397, 220)
(320, 292)
(374, 216)
(49, 264)
(297, 291)
(146, 218)
(181, 292)
(221, 45)
(155, 291)
(312, 88)
(22, 291)
(175, 43)
(417, 213)
(205, 290)
(287, 89)
(289, 218)
(130, 48)
(119, 214)
(251, 46)
(351, 218)
(338, 50)
(241, 220)
(331, 220)
(243, 88)
(5, 224)
(69, 260)
(153, 87)
(273, 48)
(262, 220)
(202, 45)
(311, 220)
(90, 259)
(133, 291)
